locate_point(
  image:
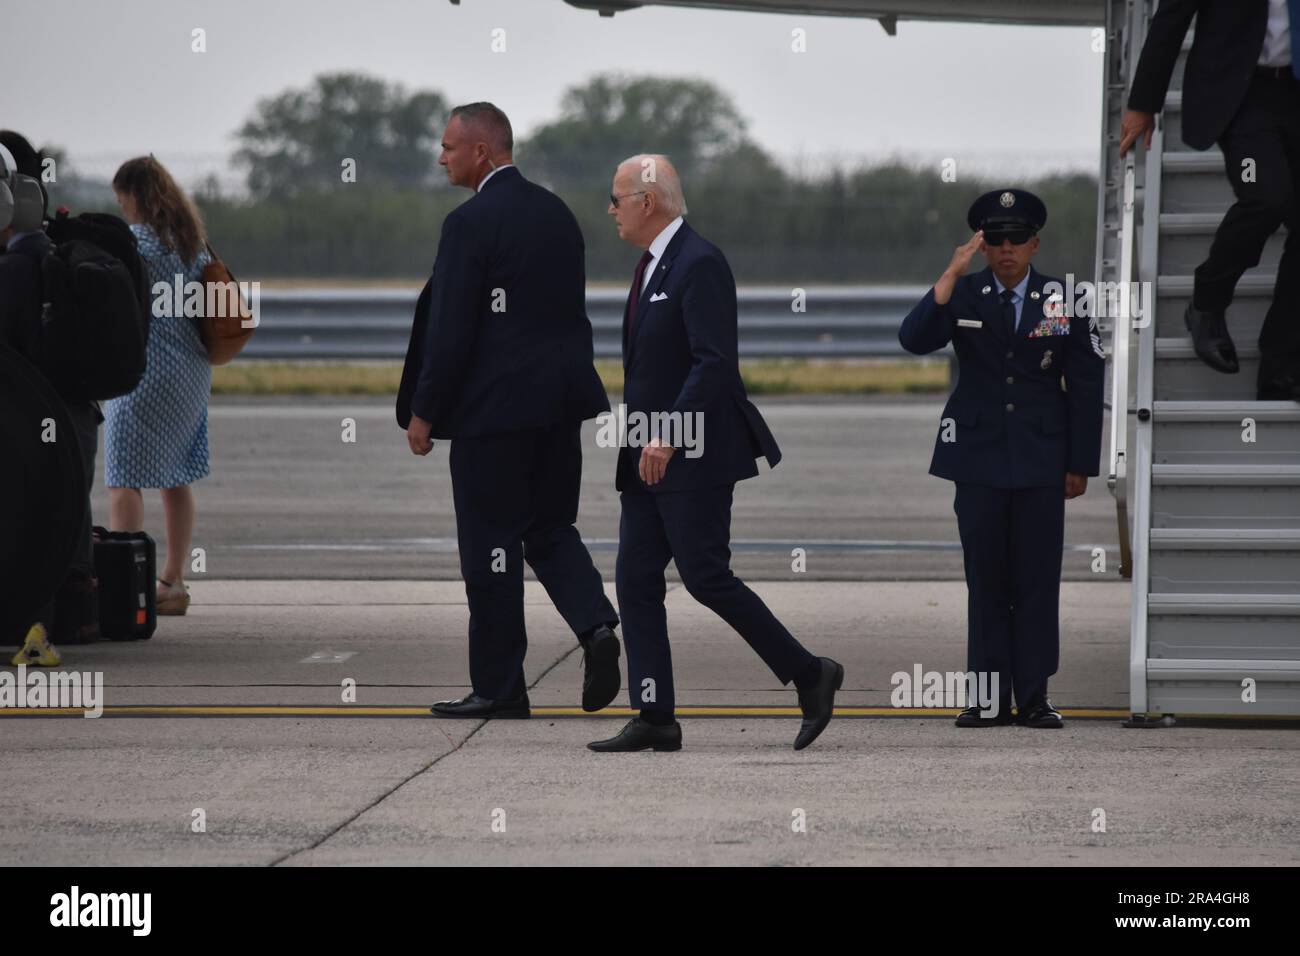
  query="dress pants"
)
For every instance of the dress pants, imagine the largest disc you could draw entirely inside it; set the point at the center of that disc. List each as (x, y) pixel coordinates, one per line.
(1011, 543)
(518, 492)
(86, 418)
(692, 528)
(1266, 129)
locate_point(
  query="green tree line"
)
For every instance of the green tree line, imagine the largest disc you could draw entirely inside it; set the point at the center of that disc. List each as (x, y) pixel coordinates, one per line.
(303, 216)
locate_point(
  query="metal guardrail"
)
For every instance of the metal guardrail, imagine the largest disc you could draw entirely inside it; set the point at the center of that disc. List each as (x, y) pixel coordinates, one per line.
(350, 324)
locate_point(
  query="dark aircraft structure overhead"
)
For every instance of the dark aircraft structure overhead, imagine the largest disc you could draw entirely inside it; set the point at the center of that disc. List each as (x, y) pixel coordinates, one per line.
(889, 12)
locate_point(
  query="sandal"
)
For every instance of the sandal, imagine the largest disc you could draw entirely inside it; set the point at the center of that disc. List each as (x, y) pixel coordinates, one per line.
(171, 601)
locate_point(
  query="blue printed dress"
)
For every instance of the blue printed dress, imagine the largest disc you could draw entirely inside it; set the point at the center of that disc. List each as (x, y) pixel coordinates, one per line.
(157, 435)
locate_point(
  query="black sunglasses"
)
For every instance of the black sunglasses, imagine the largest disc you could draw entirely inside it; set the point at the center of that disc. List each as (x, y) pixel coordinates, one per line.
(1018, 237)
(613, 200)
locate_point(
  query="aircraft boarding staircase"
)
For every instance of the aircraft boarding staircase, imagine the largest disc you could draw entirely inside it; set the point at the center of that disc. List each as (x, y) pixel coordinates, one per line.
(1213, 516)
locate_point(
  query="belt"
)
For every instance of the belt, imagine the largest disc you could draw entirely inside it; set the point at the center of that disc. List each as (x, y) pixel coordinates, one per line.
(1275, 72)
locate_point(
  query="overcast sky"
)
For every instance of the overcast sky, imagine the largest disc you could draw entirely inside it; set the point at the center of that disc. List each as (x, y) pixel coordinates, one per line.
(107, 79)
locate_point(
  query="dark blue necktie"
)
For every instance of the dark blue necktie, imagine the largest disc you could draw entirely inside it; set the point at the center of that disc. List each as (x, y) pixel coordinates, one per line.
(1009, 311)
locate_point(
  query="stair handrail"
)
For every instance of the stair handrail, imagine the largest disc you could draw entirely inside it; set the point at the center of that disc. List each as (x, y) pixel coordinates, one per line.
(1117, 476)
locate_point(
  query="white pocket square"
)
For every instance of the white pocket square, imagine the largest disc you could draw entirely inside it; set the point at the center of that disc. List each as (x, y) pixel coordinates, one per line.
(658, 296)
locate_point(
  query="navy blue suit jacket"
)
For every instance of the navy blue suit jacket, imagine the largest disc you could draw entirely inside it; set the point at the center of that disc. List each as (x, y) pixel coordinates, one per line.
(1229, 36)
(681, 355)
(1021, 417)
(501, 340)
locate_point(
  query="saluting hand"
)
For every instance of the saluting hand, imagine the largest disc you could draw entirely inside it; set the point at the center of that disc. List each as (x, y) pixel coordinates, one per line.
(654, 461)
(1075, 485)
(961, 258)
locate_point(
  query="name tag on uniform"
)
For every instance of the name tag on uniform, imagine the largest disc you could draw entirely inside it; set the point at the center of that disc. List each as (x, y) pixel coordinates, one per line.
(971, 323)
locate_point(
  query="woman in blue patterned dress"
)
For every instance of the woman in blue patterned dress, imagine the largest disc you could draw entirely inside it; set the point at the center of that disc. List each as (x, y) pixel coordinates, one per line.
(157, 436)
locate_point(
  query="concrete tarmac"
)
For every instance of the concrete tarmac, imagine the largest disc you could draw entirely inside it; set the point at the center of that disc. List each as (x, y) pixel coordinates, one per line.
(288, 498)
(904, 788)
(332, 564)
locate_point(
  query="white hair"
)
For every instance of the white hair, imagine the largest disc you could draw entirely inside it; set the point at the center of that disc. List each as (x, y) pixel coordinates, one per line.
(659, 176)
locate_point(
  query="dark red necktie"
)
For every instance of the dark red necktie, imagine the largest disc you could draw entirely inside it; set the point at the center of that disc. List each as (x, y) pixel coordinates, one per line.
(634, 297)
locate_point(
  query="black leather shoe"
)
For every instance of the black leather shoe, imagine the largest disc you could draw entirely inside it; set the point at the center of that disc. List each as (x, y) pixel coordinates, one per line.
(974, 717)
(638, 735)
(600, 674)
(1041, 713)
(1211, 340)
(480, 708)
(1283, 389)
(818, 703)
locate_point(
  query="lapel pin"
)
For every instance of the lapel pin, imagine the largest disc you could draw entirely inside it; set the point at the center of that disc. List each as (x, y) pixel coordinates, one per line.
(987, 289)
(1047, 360)
(1034, 294)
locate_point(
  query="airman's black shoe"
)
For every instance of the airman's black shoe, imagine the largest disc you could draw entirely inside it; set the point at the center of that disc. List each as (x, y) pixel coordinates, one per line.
(1041, 713)
(974, 717)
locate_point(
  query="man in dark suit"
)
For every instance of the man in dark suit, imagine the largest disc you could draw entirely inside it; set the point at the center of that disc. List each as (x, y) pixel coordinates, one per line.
(1019, 435)
(1241, 89)
(682, 375)
(500, 361)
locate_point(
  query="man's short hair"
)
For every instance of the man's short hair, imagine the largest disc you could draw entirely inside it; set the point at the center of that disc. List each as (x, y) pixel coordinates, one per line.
(494, 124)
(663, 181)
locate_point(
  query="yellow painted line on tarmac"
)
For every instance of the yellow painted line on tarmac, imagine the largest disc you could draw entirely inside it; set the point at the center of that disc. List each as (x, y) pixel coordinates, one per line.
(281, 710)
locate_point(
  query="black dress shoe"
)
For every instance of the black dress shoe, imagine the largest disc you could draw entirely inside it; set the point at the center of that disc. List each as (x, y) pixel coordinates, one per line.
(1283, 389)
(818, 703)
(480, 708)
(600, 674)
(638, 735)
(974, 717)
(1211, 340)
(1041, 713)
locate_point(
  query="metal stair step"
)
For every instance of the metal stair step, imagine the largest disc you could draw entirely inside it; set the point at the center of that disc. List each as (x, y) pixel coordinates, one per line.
(1273, 605)
(1185, 239)
(1225, 496)
(1210, 669)
(1193, 161)
(1245, 314)
(1252, 476)
(1223, 560)
(1191, 180)
(1202, 648)
(1172, 119)
(1180, 374)
(1251, 284)
(1173, 347)
(1189, 223)
(1214, 411)
(1225, 539)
